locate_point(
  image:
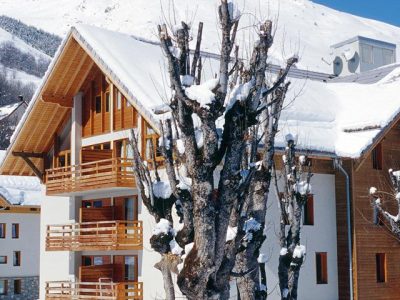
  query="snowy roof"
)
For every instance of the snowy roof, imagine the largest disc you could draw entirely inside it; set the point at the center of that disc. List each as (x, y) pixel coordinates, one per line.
(6, 110)
(22, 190)
(327, 117)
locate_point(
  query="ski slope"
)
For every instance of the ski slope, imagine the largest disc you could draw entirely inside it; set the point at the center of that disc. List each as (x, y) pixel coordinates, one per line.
(303, 27)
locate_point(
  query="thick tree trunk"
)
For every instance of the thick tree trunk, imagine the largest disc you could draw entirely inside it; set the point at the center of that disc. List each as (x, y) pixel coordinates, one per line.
(164, 266)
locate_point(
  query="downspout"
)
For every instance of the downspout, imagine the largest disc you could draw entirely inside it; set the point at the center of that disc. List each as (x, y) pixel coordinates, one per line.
(338, 164)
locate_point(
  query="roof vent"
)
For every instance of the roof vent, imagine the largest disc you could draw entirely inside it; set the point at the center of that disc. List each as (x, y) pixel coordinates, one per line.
(361, 54)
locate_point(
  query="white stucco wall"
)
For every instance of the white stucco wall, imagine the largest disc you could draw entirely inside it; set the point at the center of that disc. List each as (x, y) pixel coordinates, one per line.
(54, 265)
(320, 237)
(27, 243)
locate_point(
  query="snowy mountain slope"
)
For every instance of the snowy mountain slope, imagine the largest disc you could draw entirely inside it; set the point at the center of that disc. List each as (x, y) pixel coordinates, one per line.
(21, 45)
(15, 74)
(304, 26)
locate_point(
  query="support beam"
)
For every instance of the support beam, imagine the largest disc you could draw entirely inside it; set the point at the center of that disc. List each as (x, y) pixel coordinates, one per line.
(28, 154)
(62, 100)
(26, 157)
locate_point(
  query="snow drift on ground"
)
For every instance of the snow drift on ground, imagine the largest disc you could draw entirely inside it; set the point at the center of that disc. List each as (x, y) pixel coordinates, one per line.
(305, 27)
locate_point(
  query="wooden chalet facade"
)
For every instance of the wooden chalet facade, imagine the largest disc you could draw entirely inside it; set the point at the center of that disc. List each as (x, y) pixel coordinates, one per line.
(75, 138)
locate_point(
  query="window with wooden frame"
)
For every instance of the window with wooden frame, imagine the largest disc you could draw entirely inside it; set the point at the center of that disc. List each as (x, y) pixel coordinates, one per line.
(3, 228)
(127, 267)
(150, 143)
(97, 104)
(15, 231)
(95, 260)
(3, 286)
(380, 259)
(107, 101)
(377, 157)
(125, 115)
(308, 213)
(17, 286)
(17, 258)
(63, 159)
(3, 259)
(321, 265)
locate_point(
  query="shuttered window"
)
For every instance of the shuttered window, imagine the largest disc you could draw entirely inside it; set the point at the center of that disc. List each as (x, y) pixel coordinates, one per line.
(380, 267)
(321, 263)
(309, 211)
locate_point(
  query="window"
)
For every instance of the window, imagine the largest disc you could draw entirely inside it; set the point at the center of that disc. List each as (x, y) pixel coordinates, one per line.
(380, 267)
(97, 203)
(321, 264)
(377, 157)
(17, 286)
(119, 100)
(15, 231)
(388, 57)
(3, 260)
(17, 258)
(98, 104)
(151, 143)
(3, 287)
(107, 102)
(367, 54)
(97, 260)
(309, 211)
(130, 268)
(2, 230)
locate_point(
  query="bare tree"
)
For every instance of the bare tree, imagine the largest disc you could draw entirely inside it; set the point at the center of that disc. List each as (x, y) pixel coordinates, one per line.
(381, 199)
(296, 176)
(7, 126)
(222, 209)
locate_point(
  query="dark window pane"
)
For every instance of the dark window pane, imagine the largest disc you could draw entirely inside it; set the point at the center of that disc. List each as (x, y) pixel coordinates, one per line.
(98, 104)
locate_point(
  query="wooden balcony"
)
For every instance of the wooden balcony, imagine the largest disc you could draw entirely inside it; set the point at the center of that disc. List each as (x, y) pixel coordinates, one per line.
(104, 235)
(101, 174)
(58, 290)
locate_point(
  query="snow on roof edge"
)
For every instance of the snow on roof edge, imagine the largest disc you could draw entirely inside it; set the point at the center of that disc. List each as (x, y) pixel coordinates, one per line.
(153, 121)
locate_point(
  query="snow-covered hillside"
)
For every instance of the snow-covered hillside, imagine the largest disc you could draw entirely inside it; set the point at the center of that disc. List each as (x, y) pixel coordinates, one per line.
(306, 27)
(15, 74)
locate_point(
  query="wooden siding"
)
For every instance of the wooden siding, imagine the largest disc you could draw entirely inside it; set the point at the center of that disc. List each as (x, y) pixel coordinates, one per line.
(125, 115)
(370, 238)
(104, 235)
(94, 122)
(96, 214)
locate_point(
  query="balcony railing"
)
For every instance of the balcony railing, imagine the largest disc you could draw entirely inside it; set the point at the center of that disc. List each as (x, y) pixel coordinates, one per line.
(104, 235)
(107, 173)
(94, 290)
